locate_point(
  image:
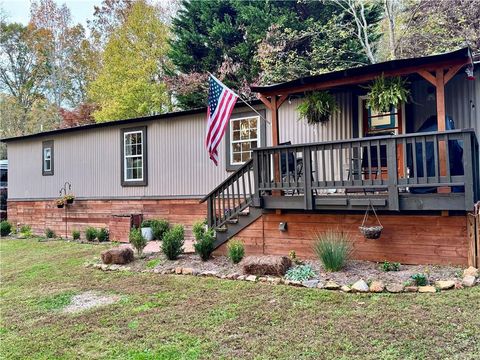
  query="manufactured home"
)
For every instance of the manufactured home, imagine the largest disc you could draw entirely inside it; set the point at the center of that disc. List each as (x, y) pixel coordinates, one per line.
(280, 180)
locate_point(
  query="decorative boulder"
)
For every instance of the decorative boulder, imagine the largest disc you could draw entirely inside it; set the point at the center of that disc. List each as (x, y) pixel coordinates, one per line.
(266, 265)
(119, 256)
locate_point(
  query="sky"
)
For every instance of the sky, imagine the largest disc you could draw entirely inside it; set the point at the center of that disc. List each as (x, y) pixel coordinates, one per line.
(19, 10)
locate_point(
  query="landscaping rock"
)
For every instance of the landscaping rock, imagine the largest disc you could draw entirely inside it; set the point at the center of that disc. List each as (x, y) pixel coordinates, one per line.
(187, 271)
(444, 284)
(395, 288)
(209, 274)
(310, 283)
(178, 270)
(114, 267)
(331, 285)
(427, 289)
(119, 256)
(377, 286)
(293, 283)
(471, 271)
(320, 285)
(251, 278)
(411, 289)
(266, 265)
(360, 286)
(232, 276)
(104, 267)
(262, 279)
(468, 281)
(345, 288)
(241, 277)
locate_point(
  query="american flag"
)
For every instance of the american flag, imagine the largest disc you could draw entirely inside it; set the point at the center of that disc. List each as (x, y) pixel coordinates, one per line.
(221, 101)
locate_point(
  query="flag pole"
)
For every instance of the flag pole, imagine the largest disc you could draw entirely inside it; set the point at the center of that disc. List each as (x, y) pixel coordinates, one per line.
(240, 98)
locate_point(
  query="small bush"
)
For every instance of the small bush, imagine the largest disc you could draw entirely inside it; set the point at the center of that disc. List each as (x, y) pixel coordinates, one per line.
(204, 240)
(146, 223)
(420, 279)
(173, 240)
(102, 234)
(293, 256)
(26, 231)
(49, 233)
(300, 273)
(390, 266)
(153, 263)
(236, 250)
(333, 249)
(76, 235)
(159, 228)
(137, 240)
(90, 233)
(5, 228)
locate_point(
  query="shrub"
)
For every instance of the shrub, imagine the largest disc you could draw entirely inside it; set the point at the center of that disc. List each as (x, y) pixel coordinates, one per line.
(5, 228)
(333, 249)
(146, 223)
(204, 240)
(49, 233)
(102, 234)
(420, 279)
(300, 273)
(137, 240)
(236, 250)
(90, 233)
(390, 266)
(159, 228)
(76, 235)
(293, 256)
(173, 240)
(26, 231)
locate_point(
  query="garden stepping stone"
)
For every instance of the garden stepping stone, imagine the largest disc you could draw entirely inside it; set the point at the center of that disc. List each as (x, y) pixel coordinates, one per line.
(395, 288)
(468, 281)
(345, 288)
(360, 286)
(377, 286)
(471, 271)
(331, 285)
(427, 289)
(310, 283)
(411, 289)
(187, 271)
(445, 284)
(251, 278)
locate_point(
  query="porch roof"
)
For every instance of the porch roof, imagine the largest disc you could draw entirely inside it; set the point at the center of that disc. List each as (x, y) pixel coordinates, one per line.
(364, 73)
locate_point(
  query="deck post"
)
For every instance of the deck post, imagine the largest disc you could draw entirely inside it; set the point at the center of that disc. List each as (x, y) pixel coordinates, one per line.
(307, 178)
(468, 163)
(256, 180)
(393, 203)
(210, 212)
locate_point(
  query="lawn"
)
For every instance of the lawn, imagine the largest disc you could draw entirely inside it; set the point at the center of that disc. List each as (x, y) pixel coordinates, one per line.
(184, 317)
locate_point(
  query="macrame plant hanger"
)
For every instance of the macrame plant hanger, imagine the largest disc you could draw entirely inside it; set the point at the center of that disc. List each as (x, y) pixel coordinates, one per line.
(371, 232)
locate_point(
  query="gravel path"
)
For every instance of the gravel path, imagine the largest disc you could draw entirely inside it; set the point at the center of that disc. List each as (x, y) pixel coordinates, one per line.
(88, 300)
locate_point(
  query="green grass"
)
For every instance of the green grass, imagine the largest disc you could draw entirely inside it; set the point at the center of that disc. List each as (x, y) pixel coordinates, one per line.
(184, 317)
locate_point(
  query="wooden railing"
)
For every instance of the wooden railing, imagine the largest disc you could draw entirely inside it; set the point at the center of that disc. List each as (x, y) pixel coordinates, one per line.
(231, 197)
(433, 161)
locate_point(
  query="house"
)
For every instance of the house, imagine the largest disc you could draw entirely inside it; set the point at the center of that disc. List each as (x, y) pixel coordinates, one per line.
(281, 180)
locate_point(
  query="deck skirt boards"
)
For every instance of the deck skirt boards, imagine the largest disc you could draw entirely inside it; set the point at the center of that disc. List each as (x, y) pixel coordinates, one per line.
(408, 239)
(113, 214)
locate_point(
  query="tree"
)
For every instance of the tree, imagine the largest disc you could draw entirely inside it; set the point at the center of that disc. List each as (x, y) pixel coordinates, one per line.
(130, 83)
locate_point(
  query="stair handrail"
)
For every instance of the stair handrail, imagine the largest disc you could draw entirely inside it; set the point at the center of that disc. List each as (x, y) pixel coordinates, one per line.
(228, 181)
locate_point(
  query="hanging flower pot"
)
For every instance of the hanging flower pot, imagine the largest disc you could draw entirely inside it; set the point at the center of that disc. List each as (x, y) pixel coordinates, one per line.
(69, 198)
(387, 92)
(371, 232)
(317, 107)
(60, 203)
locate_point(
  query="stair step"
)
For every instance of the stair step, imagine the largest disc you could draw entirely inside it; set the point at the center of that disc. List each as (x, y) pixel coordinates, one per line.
(233, 221)
(244, 213)
(221, 229)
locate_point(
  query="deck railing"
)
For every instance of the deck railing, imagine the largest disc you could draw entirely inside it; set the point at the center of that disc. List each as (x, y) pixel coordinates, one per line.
(433, 161)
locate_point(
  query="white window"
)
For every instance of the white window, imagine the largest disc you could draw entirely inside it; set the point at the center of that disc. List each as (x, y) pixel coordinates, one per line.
(133, 156)
(47, 159)
(244, 136)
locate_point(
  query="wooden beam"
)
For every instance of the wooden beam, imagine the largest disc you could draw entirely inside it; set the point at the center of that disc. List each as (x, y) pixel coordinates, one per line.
(281, 100)
(440, 96)
(275, 134)
(358, 79)
(451, 73)
(264, 100)
(427, 76)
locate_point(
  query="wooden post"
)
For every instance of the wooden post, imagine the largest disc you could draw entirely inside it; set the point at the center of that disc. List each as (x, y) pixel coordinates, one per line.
(442, 149)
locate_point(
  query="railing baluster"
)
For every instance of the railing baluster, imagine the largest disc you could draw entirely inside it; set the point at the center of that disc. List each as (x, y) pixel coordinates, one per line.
(340, 158)
(393, 203)
(468, 171)
(369, 155)
(424, 159)
(414, 158)
(436, 160)
(379, 163)
(332, 165)
(324, 175)
(404, 162)
(447, 158)
(307, 180)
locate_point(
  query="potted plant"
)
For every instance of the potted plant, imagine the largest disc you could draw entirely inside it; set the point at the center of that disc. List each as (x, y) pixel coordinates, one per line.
(387, 92)
(317, 107)
(69, 198)
(60, 203)
(146, 229)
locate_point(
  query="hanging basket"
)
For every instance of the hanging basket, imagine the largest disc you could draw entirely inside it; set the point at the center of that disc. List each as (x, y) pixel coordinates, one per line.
(371, 232)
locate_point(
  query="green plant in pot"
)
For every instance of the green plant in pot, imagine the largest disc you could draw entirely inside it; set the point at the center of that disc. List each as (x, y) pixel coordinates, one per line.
(317, 107)
(60, 203)
(384, 93)
(69, 198)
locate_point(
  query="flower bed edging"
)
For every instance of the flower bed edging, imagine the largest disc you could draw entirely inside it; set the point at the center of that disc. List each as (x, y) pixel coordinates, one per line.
(470, 279)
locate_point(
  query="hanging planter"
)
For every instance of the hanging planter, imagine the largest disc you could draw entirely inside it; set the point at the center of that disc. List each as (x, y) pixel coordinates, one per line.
(60, 203)
(69, 198)
(317, 107)
(371, 232)
(387, 92)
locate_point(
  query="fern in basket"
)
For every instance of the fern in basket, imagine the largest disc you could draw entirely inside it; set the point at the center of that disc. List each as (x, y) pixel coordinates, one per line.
(317, 107)
(386, 92)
